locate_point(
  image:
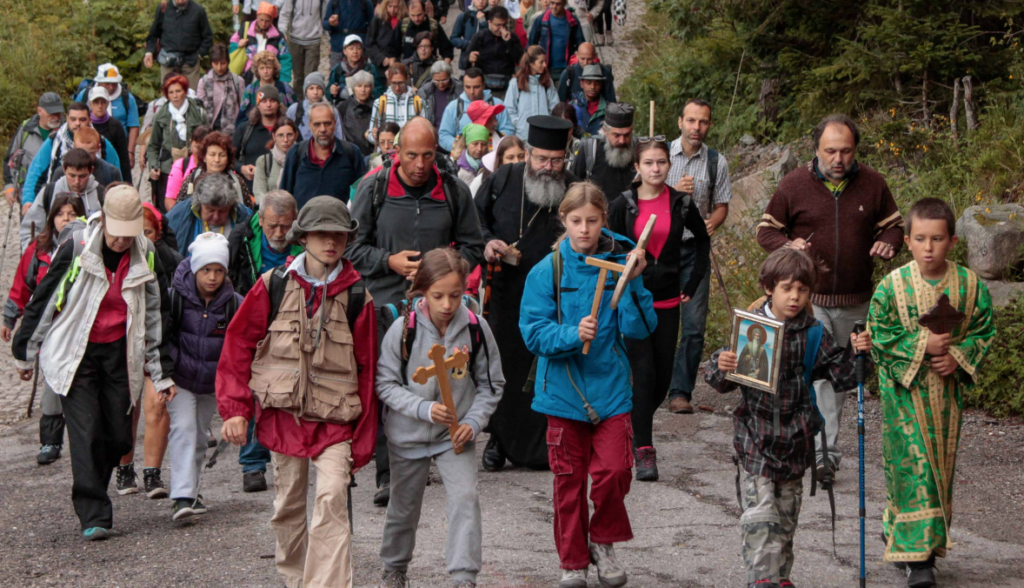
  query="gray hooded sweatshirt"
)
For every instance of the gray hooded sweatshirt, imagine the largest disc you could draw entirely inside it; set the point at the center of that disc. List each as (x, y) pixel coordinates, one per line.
(410, 432)
(38, 214)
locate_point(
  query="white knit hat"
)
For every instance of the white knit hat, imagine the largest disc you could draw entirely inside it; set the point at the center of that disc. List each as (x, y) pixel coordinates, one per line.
(206, 249)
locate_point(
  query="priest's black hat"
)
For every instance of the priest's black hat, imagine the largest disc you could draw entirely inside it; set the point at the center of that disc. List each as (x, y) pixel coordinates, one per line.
(619, 115)
(549, 132)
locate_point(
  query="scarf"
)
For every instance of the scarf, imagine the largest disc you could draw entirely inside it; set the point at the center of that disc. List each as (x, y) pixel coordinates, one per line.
(350, 70)
(467, 162)
(221, 96)
(278, 155)
(99, 121)
(178, 117)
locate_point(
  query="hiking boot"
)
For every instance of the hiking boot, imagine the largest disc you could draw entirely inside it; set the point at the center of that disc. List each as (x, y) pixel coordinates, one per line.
(126, 479)
(598, 39)
(383, 496)
(182, 509)
(573, 579)
(95, 534)
(254, 481)
(680, 405)
(646, 459)
(493, 458)
(48, 454)
(609, 39)
(153, 484)
(609, 572)
(920, 574)
(395, 579)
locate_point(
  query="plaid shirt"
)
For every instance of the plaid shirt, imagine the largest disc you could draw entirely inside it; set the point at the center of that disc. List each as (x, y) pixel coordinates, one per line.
(697, 166)
(784, 456)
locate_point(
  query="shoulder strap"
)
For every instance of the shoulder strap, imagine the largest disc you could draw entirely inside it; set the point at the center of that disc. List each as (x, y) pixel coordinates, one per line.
(124, 100)
(380, 190)
(811, 353)
(459, 109)
(177, 306)
(300, 111)
(451, 198)
(405, 26)
(278, 282)
(590, 152)
(245, 138)
(556, 264)
(712, 178)
(408, 338)
(417, 102)
(382, 112)
(48, 197)
(356, 301)
(268, 164)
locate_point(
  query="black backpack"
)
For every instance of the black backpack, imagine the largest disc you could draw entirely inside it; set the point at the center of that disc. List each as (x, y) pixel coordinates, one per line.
(279, 279)
(448, 184)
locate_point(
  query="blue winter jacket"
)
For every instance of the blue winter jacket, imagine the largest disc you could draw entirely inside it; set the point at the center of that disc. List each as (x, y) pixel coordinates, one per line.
(36, 175)
(187, 224)
(602, 376)
(354, 18)
(197, 339)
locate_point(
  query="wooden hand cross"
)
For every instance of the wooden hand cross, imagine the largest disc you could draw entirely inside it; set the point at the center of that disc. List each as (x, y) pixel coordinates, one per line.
(422, 375)
(942, 318)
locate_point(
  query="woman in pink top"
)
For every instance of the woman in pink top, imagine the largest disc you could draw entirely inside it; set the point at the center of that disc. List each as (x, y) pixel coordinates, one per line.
(652, 358)
(181, 168)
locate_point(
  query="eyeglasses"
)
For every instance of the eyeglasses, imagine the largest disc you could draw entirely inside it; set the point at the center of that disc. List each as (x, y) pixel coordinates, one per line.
(543, 161)
(656, 138)
(399, 83)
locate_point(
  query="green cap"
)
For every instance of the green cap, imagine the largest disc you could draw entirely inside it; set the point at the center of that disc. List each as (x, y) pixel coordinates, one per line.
(475, 132)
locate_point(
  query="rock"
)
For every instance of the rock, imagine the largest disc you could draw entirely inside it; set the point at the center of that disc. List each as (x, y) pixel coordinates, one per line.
(1003, 292)
(747, 140)
(787, 162)
(751, 193)
(995, 238)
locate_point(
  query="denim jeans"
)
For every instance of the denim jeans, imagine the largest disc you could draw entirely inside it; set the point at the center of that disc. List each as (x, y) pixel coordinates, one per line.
(253, 457)
(693, 316)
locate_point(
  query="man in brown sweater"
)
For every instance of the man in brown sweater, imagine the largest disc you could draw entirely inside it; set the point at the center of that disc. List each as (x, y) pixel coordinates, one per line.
(851, 214)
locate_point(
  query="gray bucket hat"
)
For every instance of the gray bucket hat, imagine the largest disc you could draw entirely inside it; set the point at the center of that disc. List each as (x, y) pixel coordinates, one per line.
(323, 213)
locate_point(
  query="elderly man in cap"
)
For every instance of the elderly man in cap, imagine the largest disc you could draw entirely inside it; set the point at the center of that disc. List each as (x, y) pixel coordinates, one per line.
(28, 139)
(607, 159)
(90, 353)
(252, 137)
(519, 232)
(455, 115)
(322, 165)
(123, 106)
(334, 356)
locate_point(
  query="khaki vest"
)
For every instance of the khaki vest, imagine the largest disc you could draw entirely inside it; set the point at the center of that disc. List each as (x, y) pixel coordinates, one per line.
(308, 371)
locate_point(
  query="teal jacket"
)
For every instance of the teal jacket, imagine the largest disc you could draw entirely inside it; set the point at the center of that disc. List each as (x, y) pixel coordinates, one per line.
(602, 376)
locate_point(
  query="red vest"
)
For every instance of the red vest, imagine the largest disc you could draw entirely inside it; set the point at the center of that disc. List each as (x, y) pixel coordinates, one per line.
(111, 321)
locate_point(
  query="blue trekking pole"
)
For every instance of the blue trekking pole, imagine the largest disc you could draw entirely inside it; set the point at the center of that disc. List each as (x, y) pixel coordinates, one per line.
(861, 373)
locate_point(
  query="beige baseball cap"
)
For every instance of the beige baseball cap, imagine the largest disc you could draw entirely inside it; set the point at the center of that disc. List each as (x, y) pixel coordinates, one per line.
(122, 212)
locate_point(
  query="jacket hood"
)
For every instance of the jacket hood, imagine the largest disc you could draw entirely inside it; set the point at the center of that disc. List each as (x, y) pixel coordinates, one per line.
(185, 283)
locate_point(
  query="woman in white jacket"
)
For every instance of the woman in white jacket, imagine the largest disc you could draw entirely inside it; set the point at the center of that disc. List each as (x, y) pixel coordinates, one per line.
(533, 91)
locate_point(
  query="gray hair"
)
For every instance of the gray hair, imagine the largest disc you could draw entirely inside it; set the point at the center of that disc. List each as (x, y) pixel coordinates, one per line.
(441, 66)
(360, 78)
(217, 190)
(280, 201)
(320, 105)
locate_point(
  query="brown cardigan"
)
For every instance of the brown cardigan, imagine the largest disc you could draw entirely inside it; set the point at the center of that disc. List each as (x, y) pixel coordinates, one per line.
(844, 228)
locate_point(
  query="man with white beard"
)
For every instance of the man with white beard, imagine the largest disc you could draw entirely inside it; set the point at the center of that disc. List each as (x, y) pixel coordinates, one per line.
(607, 159)
(518, 210)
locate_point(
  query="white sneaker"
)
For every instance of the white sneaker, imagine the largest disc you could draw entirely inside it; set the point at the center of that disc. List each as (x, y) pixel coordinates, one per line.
(598, 39)
(609, 572)
(573, 579)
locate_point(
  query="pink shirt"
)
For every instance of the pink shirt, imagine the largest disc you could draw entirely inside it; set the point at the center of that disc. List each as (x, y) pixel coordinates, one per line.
(660, 206)
(176, 177)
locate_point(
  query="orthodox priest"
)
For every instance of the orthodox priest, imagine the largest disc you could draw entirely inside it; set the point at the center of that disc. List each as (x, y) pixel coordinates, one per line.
(607, 158)
(518, 210)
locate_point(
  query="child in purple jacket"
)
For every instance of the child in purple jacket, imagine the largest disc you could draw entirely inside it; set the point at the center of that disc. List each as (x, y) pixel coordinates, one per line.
(202, 304)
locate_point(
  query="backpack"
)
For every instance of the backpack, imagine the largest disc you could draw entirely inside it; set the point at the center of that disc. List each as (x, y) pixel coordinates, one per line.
(382, 107)
(178, 309)
(712, 178)
(279, 280)
(589, 148)
(389, 313)
(88, 84)
(71, 275)
(448, 184)
(406, 22)
(48, 195)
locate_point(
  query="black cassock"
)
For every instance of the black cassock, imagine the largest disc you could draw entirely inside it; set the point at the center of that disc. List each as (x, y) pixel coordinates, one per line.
(520, 432)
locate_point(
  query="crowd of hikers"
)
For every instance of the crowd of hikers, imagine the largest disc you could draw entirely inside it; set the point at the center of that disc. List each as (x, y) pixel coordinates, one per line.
(286, 248)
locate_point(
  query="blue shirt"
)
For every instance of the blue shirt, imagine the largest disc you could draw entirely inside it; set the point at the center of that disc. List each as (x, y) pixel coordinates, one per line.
(270, 258)
(559, 41)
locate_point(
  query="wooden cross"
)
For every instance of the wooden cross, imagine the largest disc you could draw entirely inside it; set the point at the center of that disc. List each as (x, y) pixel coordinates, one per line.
(605, 266)
(942, 318)
(422, 375)
(645, 237)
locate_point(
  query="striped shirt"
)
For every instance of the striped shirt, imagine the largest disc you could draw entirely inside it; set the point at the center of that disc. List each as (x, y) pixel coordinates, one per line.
(697, 167)
(397, 109)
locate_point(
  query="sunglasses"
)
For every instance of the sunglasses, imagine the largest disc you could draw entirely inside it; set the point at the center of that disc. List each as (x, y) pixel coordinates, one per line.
(656, 138)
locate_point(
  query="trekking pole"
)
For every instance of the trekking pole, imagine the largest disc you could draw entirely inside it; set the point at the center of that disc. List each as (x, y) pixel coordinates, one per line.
(10, 210)
(861, 373)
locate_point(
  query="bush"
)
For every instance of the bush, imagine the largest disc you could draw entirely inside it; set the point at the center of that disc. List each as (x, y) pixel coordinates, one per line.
(1000, 388)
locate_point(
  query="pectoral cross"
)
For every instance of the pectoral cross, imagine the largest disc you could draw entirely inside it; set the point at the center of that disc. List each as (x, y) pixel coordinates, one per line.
(422, 375)
(942, 318)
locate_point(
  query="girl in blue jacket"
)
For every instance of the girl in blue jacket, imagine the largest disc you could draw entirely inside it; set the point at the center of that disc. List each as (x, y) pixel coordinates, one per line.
(587, 398)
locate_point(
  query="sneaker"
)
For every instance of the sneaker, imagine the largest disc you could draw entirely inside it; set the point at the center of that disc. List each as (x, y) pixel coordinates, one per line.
(493, 458)
(48, 454)
(465, 584)
(95, 534)
(646, 464)
(598, 39)
(126, 479)
(680, 405)
(254, 481)
(395, 579)
(609, 572)
(573, 579)
(920, 574)
(383, 495)
(182, 509)
(154, 485)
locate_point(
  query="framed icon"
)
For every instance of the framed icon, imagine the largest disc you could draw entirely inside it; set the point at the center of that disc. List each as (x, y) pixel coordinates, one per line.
(757, 340)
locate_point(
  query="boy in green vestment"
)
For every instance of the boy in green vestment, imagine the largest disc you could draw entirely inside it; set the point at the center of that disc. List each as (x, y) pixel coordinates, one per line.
(922, 380)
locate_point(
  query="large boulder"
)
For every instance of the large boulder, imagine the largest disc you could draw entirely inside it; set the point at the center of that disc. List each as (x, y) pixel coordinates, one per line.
(751, 193)
(995, 238)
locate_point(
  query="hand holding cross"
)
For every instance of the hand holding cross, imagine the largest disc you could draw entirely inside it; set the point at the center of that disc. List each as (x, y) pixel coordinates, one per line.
(422, 375)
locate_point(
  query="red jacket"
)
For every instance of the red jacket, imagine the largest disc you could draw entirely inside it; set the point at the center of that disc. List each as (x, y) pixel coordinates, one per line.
(21, 289)
(277, 430)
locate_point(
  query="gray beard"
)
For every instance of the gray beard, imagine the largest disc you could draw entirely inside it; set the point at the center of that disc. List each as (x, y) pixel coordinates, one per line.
(754, 349)
(617, 157)
(545, 188)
